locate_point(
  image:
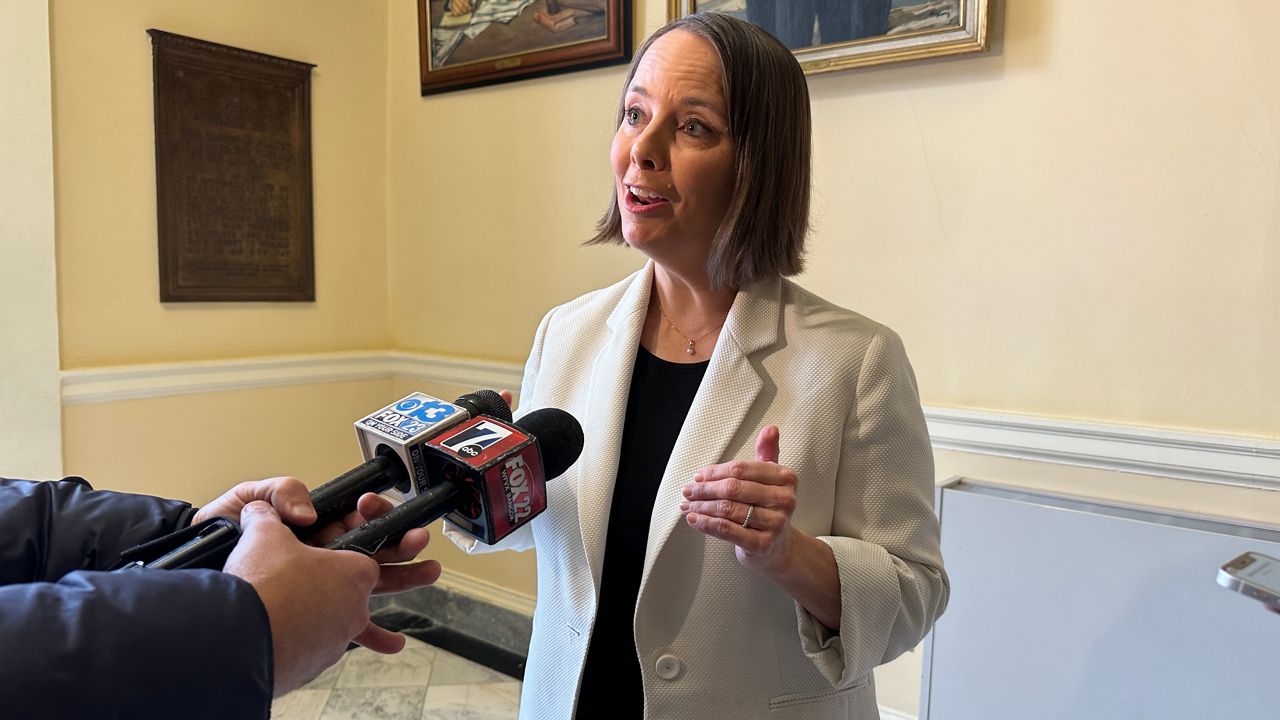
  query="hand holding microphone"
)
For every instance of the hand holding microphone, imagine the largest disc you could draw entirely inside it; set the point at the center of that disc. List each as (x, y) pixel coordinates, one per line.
(458, 459)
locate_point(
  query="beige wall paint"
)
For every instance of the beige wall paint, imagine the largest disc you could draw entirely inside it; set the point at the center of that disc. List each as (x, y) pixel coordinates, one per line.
(194, 447)
(1082, 223)
(30, 410)
(105, 164)
(490, 193)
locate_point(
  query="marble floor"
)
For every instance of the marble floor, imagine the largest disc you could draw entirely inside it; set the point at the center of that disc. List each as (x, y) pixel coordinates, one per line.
(419, 683)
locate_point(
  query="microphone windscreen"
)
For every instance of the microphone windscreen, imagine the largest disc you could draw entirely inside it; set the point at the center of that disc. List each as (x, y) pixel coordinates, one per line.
(559, 438)
(485, 402)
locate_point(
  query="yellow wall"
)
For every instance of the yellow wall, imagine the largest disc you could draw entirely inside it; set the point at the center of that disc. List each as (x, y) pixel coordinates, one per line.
(496, 187)
(105, 169)
(1082, 223)
(194, 447)
(30, 419)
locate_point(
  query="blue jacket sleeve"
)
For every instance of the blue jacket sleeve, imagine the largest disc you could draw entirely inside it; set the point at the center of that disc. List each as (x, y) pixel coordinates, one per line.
(48, 529)
(139, 643)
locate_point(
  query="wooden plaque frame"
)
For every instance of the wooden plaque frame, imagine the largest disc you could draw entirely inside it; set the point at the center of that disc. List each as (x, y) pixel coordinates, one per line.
(233, 173)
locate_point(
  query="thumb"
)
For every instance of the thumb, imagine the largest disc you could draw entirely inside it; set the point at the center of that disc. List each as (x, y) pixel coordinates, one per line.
(258, 517)
(767, 444)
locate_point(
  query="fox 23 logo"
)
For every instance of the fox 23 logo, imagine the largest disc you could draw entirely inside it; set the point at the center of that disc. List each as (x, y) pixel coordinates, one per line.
(472, 441)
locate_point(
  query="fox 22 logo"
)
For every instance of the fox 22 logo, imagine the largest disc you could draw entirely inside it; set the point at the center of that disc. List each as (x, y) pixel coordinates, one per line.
(472, 441)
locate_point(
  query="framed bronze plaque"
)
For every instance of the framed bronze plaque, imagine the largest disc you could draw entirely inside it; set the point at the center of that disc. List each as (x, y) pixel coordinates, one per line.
(233, 173)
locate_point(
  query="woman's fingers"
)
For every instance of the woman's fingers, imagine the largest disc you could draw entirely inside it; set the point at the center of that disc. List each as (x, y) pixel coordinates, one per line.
(761, 518)
(778, 497)
(760, 471)
(750, 540)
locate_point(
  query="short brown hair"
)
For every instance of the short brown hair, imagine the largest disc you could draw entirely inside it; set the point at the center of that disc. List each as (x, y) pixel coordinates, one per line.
(763, 231)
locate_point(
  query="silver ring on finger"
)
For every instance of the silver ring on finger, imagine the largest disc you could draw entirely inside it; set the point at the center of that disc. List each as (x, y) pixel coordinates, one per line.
(746, 523)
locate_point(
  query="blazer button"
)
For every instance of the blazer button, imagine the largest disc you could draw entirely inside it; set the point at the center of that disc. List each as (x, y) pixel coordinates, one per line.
(667, 667)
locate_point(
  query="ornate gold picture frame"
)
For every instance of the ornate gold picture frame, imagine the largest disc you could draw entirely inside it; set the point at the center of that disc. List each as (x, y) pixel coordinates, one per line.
(859, 33)
(470, 43)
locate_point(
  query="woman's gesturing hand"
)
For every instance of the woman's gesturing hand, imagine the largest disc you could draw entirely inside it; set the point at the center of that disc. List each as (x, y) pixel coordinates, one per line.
(747, 503)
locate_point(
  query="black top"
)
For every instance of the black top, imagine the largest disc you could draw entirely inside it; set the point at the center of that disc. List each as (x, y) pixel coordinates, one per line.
(661, 394)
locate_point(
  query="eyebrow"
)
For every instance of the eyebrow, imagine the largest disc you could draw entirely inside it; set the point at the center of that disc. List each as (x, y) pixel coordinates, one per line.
(689, 100)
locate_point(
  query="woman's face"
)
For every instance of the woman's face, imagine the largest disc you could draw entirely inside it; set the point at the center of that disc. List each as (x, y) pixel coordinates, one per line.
(672, 155)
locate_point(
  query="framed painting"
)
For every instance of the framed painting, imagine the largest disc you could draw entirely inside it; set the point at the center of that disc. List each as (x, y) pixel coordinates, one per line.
(469, 43)
(828, 35)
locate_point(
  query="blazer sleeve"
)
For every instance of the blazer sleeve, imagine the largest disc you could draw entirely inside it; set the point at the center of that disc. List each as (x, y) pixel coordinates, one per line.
(521, 539)
(48, 529)
(885, 535)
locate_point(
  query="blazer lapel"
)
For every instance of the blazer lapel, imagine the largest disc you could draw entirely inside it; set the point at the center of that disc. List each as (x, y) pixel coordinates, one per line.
(605, 416)
(720, 407)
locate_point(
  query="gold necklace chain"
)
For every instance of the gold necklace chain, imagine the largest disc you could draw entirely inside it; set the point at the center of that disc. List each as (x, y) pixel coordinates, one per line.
(688, 350)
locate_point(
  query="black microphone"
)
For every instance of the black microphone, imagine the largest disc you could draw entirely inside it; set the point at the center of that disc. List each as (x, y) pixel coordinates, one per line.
(390, 441)
(489, 479)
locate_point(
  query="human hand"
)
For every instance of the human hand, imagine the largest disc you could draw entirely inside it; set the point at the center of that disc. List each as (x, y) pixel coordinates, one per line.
(317, 600)
(718, 500)
(392, 577)
(288, 496)
(459, 7)
(506, 396)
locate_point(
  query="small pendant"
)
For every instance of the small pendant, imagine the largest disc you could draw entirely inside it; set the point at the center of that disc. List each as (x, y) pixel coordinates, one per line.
(689, 350)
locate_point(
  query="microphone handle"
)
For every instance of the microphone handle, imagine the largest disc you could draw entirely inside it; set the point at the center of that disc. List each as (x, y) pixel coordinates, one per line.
(434, 503)
(334, 499)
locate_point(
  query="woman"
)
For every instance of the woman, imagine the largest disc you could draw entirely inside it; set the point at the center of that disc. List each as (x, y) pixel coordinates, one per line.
(749, 529)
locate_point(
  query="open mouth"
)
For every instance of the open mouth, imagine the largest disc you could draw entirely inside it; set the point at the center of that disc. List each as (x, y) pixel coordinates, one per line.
(643, 197)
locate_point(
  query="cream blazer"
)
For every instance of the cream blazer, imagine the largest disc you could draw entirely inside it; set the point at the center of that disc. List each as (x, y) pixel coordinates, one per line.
(715, 639)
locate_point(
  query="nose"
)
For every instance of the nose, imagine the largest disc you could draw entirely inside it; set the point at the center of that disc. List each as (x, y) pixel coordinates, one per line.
(650, 150)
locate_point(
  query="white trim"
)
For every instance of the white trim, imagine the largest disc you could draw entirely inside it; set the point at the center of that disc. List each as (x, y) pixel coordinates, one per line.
(486, 592)
(891, 714)
(133, 382)
(457, 371)
(1235, 460)
(1229, 459)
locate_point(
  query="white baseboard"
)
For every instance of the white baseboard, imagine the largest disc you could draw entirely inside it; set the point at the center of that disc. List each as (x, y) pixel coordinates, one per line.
(1235, 460)
(487, 592)
(891, 714)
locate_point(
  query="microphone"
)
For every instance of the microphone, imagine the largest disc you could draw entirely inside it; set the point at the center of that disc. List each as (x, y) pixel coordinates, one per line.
(394, 442)
(390, 440)
(490, 479)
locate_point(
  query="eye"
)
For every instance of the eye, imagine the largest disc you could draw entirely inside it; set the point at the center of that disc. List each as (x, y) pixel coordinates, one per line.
(696, 128)
(631, 116)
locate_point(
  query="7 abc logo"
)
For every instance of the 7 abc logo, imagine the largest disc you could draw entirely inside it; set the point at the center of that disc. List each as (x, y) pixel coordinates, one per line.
(473, 440)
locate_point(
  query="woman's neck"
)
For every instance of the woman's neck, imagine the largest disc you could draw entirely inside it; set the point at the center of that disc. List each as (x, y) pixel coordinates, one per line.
(685, 316)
